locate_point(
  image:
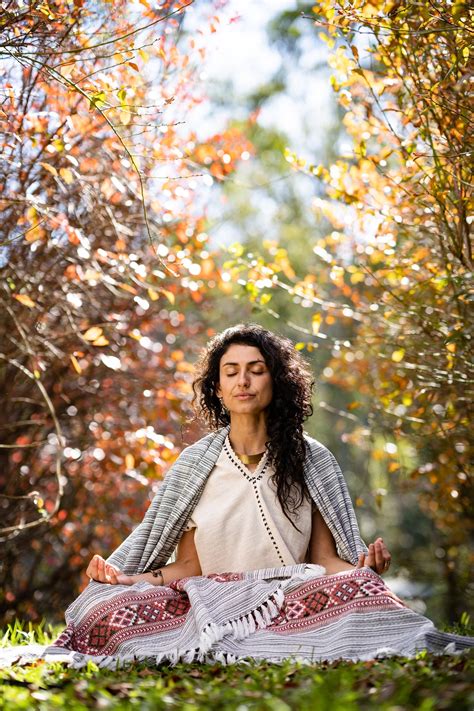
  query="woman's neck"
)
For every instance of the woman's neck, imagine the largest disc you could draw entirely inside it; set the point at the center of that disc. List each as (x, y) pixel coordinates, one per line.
(248, 436)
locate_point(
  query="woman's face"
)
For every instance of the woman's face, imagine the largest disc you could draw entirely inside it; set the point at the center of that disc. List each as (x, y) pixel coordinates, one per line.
(242, 371)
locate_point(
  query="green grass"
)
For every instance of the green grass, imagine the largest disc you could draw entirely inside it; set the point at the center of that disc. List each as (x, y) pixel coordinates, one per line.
(424, 683)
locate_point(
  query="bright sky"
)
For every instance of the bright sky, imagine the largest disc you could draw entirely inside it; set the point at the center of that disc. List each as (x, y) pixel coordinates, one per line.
(239, 52)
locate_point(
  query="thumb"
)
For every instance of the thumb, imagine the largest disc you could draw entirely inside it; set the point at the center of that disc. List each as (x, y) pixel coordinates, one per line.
(361, 561)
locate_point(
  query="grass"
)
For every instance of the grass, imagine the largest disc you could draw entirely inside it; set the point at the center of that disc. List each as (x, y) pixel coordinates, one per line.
(424, 683)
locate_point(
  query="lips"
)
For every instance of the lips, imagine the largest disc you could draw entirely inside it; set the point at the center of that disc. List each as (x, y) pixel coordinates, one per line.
(244, 396)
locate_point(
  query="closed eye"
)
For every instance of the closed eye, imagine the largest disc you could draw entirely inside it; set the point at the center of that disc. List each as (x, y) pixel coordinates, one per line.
(254, 372)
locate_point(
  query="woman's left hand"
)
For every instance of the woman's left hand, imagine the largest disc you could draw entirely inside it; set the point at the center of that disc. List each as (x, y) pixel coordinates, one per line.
(378, 558)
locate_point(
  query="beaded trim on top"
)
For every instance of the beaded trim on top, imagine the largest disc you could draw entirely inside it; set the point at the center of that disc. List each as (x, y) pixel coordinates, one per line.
(254, 477)
(251, 476)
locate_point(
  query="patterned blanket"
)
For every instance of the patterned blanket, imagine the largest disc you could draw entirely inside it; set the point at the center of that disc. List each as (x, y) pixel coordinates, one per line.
(291, 612)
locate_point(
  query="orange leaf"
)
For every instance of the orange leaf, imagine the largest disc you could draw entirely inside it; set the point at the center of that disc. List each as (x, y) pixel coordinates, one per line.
(25, 300)
(127, 287)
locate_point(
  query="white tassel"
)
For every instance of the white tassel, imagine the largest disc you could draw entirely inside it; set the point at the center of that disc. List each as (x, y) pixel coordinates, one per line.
(241, 628)
(259, 619)
(272, 608)
(189, 656)
(209, 635)
(235, 629)
(279, 596)
(251, 624)
(265, 614)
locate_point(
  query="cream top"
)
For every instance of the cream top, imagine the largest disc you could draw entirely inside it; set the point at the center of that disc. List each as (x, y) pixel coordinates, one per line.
(239, 522)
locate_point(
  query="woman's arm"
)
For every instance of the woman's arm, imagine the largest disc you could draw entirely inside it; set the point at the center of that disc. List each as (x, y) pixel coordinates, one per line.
(322, 551)
(186, 565)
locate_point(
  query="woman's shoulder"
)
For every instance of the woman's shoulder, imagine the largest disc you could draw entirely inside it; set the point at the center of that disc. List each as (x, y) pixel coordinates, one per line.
(202, 445)
(315, 446)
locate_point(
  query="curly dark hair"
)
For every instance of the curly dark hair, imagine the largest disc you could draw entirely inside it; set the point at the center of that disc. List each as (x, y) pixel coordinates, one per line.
(290, 405)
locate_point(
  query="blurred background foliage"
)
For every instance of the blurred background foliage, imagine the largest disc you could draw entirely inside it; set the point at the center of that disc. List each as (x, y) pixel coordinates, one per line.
(129, 238)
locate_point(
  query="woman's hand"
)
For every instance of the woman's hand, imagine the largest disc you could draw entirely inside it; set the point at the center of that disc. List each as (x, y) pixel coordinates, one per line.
(102, 572)
(378, 558)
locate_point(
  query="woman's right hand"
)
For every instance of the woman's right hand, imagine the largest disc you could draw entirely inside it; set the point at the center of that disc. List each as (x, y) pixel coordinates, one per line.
(101, 571)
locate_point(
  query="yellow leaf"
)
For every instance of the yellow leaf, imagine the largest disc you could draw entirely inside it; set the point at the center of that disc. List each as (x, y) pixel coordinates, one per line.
(359, 501)
(316, 323)
(397, 356)
(169, 295)
(300, 346)
(50, 168)
(451, 347)
(153, 294)
(67, 69)
(101, 341)
(75, 364)
(93, 333)
(66, 175)
(25, 300)
(129, 461)
(125, 118)
(356, 278)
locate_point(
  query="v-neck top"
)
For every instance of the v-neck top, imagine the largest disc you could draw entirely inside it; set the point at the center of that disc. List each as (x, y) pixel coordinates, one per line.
(239, 522)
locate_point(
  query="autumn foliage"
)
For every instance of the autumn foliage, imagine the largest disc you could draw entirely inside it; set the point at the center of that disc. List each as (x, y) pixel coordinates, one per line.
(103, 263)
(390, 301)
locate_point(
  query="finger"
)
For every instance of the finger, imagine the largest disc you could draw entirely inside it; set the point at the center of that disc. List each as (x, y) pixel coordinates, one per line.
(112, 574)
(379, 556)
(361, 560)
(102, 573)
(370, 558)
(92, 571)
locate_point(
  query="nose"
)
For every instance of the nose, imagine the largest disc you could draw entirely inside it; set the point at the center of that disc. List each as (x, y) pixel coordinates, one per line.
(243, 379)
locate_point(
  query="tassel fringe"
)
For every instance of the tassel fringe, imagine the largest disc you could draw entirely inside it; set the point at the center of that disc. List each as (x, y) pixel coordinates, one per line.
(244, 626)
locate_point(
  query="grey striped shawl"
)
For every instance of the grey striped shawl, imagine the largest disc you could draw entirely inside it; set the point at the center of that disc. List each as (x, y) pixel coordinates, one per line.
(154, 540)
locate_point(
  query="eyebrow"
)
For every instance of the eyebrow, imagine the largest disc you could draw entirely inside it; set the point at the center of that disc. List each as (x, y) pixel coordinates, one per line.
(251, 362)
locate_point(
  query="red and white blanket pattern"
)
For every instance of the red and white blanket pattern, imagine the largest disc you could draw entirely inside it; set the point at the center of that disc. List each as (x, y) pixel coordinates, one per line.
(276, 614)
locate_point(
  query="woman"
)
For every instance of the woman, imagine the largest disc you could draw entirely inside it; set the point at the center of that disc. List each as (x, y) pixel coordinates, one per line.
(251, 547)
